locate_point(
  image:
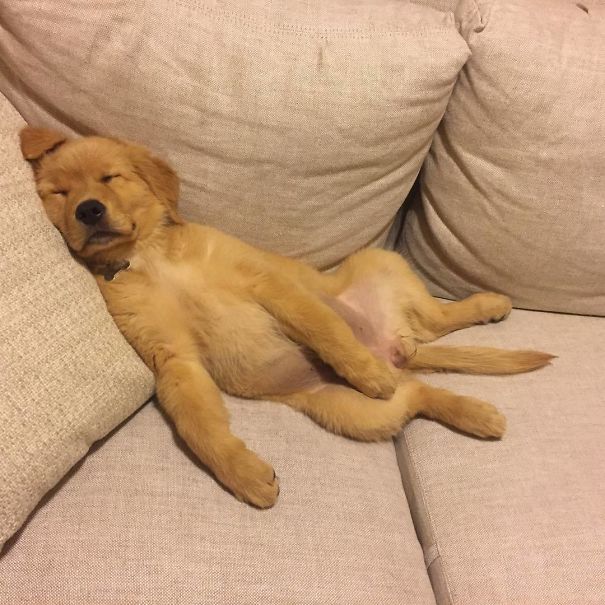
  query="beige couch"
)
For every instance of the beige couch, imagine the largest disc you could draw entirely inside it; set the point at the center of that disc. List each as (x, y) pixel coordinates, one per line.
(433, 517)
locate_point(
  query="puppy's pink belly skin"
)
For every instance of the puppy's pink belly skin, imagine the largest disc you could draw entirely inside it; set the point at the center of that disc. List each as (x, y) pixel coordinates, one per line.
(360, 308)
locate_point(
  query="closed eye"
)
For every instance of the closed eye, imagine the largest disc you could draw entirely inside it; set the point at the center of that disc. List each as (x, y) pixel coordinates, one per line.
(62, 192)
(108, 177)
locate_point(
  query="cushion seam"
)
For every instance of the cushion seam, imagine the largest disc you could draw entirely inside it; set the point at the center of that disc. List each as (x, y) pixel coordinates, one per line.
(427, 512)
(354, 33)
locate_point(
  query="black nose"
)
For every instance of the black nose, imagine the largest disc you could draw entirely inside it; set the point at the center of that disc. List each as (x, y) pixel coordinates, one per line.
(90, 212)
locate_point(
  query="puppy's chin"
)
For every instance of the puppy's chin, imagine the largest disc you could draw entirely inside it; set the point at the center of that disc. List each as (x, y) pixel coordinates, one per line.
(101, 241)
(87, 245)
(103, 238)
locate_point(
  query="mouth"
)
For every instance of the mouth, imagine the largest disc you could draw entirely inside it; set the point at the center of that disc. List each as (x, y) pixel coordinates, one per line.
(105, 237)
(102, 237)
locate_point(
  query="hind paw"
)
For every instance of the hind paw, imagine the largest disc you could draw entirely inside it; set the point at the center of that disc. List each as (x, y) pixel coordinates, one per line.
(493, 307)
(482, 418)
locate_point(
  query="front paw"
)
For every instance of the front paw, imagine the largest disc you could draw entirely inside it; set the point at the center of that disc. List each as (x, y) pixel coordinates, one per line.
(377, 380)
(250, 478)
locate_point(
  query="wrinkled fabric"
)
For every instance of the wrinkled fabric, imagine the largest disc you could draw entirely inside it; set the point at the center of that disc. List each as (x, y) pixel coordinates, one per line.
(297, 126)
(513, 189)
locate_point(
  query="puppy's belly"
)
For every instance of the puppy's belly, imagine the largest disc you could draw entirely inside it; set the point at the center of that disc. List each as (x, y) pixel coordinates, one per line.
(250, 356)
(247, 353)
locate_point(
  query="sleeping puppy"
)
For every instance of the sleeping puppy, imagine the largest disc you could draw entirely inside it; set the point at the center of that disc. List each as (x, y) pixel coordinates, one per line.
(207, 312)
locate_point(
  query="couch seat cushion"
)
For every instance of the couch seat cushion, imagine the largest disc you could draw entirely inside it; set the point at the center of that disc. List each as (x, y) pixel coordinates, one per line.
(521, 520)
(140, 522)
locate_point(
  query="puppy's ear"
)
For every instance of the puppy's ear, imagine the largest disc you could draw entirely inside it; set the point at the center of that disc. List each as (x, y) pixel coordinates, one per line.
(36, 142)
(160, 177)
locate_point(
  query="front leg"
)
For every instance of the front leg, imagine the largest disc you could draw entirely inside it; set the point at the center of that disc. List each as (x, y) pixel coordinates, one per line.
(193, 401)
(311, 322)
(189, 395)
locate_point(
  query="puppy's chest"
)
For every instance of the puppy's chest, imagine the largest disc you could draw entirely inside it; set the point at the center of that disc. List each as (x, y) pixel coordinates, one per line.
(207, 299)
(187, 285)
(235, 335)
(169, 276)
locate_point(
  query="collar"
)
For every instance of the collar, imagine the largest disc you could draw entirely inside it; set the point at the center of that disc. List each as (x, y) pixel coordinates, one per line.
(112, 269)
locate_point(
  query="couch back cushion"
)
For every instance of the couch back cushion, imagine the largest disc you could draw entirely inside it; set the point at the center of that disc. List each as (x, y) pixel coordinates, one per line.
(513, 189)
(67, 377)
(297, 126)
(441, 5)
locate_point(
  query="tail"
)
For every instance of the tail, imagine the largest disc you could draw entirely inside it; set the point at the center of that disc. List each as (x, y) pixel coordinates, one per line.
(477, 360)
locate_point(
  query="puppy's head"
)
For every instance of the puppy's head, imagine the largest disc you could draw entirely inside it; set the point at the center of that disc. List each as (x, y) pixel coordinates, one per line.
(102, 194)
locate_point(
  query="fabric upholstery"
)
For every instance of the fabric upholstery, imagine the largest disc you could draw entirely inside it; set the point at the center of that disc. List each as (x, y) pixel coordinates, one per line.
(512, 191)
(441, 5)
(519, 520)
(297, 126)
(140, 522)
(67, 376)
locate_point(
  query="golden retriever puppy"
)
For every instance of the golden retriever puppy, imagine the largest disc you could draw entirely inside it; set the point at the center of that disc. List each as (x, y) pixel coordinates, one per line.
(207, 312)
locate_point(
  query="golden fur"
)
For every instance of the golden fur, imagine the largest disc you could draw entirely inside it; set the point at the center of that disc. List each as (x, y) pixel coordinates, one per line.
(206, 311)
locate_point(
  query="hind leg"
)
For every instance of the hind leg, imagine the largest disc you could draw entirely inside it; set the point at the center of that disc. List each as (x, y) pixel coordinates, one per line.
(381, 283)
(416, 311)
(438, 319)
(347, 412)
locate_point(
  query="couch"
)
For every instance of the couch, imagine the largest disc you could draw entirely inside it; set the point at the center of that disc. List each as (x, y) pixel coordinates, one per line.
(123, 512)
